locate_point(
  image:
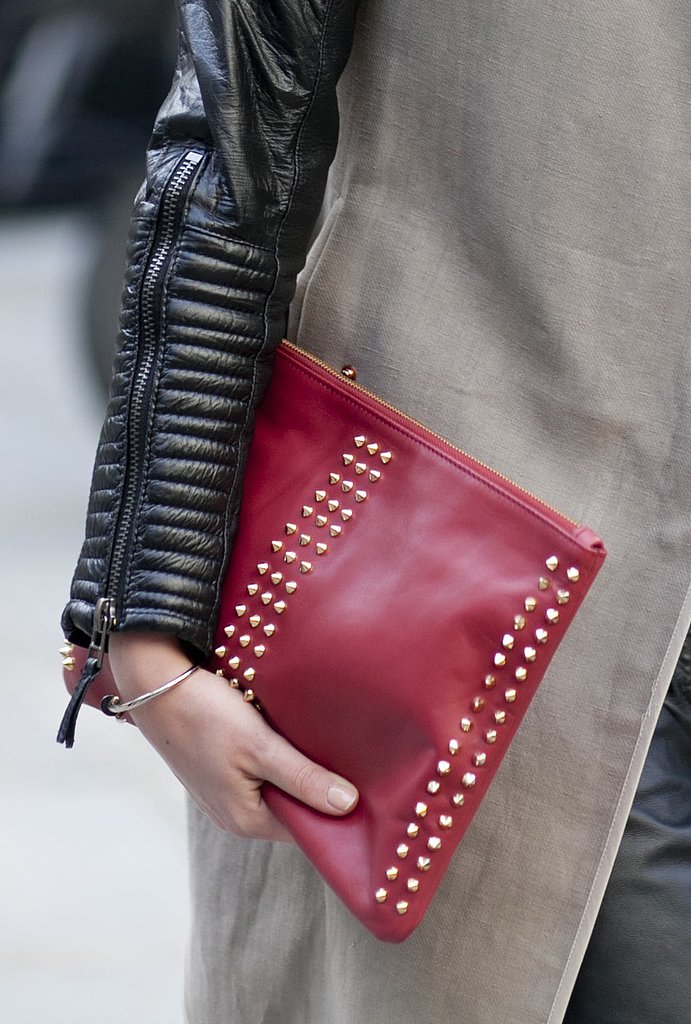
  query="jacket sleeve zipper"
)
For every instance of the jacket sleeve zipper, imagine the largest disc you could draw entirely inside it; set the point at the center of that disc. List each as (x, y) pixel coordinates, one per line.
(173, 201)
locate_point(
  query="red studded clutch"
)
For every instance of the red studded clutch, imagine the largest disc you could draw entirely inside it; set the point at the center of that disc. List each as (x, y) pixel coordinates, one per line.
(391, 606)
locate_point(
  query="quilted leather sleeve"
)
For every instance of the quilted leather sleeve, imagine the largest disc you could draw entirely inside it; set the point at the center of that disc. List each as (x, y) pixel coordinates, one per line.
(235, 176)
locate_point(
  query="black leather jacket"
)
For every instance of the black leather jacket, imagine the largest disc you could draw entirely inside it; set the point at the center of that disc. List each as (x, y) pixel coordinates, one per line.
(236, 171)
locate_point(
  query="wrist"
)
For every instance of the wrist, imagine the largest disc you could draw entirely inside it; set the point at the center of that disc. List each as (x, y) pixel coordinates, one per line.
(141, 662)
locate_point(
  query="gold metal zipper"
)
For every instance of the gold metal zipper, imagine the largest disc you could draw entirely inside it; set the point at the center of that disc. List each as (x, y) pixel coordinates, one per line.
(349, 382)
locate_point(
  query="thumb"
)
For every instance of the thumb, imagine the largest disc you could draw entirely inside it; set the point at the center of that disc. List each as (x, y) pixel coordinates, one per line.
(307, 781)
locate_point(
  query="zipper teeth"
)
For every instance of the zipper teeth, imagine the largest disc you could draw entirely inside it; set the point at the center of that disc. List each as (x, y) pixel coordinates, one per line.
(152, 275)
(348, 383)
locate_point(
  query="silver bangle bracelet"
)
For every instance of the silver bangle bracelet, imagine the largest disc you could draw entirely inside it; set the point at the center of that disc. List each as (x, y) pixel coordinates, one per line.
(110, 705)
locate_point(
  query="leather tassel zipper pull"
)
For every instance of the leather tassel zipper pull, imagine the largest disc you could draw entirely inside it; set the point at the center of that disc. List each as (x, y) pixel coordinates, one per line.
(104, 620)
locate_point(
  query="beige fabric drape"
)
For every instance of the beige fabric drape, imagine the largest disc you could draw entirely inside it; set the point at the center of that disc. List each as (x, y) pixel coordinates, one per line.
(505, 254)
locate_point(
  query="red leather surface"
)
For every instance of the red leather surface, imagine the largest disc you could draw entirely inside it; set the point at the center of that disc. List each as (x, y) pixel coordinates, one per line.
(386, 644)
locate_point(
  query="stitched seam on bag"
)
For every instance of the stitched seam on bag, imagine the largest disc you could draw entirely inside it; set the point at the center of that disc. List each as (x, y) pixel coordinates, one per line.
(402, 429)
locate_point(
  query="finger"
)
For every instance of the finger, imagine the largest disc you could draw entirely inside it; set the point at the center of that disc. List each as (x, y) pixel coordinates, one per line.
(315, 786)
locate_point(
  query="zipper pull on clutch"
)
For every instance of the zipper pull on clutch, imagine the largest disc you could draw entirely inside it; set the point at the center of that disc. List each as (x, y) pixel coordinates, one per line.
(104, 620)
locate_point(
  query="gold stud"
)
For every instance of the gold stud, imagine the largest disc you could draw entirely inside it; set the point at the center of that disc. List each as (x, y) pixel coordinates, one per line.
(320, 495)
(321, 520)
(479, 759)
(280, 607)
(420, 809)
(248, 695)
(412, 830)
(402, 851)
(249, 674)
(529, 653)
(229, 631)
(360, 495)
(305, 567)
(252, 589)
(269, 629)
(347, 486)
(443, 767)
(220, 652)
(304, 539)
(233, 683)
(332, 504)
(334, 478)
(499, 659)
(322, 548)
(454, 747)
(423, 863)
(380, 895)
(490, 681)
(573, 575)
(392, 874)
(552, 616)
(541, 636)
(434, 843)
(543, 583)
(563, 596)
(68, 663)
(234, 662)
(245, 640)
(508, 641)
(500, 717)
(348, 460)
(457, 799)
(445, 821)
(66, 649)
(360, 467)
(307, 511)
(240, 609)
(289, 557)
(276, 578)
(413, 884)
(346, 514)
(466, 724)
(491, 736)
(373, 448)
(385, 457)
(521, 673)
(519, 622)
(359, 440)
(266, 597)
(477, 704)
(254, 620)
(260, 650)
(374, 475)
(402, 907)
(433, 786)
(335, 530)
(291, 586)
(510, 695)
(468, 780)
(291, 528)
(276, 545)
(530, 604)
(552, 563)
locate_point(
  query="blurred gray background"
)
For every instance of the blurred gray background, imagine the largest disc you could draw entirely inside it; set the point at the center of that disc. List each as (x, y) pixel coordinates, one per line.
(93, 887)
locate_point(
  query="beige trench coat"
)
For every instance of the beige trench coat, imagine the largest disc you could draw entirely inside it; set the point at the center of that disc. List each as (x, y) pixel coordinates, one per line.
(505, 254)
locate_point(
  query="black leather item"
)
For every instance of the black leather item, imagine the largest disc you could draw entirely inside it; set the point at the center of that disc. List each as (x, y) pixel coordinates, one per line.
(637, 969)
(235, 177)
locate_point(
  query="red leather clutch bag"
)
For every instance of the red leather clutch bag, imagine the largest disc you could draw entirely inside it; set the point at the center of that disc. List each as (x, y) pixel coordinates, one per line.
(391, 606)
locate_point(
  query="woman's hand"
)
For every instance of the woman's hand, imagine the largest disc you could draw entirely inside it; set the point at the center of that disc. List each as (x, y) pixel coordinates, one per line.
(217, 744)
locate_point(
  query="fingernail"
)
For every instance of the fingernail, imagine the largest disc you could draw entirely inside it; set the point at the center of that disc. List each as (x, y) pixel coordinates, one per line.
(342, 797)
